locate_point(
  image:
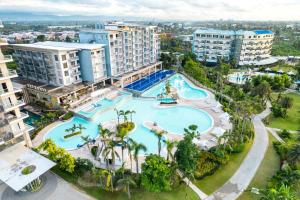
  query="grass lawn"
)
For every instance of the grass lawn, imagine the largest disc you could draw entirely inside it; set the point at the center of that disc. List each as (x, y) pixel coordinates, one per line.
(292, 121)
(284, 68)
(211, 183)
(181, 192)
(266, 170)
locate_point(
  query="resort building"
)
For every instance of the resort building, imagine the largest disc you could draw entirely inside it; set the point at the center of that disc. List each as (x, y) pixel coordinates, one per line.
(61, 63)
(246, 47)
(128, 47)
(59, 73)
(12, 128)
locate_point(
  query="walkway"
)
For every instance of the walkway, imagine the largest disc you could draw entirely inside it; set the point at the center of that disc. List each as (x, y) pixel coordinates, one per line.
(275, 135)
(233, 188)
(54, 188)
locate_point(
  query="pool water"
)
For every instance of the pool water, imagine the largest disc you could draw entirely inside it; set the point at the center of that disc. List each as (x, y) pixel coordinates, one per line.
(172, 119)
(100, 105)
(184, 88)
(32, 117)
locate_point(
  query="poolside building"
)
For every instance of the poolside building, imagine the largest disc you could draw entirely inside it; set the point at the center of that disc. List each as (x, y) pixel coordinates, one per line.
(55, 73)
(129, 47)
(246, 47)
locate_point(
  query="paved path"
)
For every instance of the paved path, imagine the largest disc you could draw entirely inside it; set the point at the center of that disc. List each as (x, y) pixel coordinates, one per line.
(200, 194)
(274, 133)
(233, 188)
(55, 188)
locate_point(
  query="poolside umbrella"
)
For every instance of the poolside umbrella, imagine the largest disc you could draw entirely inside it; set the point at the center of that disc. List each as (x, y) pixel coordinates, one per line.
(291, 73)
(218, 131)
(280, 71)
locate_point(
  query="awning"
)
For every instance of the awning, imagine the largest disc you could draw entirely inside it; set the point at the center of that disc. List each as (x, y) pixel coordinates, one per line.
(14, 159)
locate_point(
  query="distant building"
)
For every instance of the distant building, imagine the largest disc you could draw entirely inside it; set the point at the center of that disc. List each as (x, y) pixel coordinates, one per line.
(128, 47)
(246, 47)
(1, 24)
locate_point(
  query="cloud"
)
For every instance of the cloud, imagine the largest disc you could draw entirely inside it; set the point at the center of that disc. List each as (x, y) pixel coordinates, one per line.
(165, 9)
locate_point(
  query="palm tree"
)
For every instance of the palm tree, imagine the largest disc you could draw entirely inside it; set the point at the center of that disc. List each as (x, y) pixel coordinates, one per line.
(127, 112)
(118, 115)
(80, 127)
(170, 146)
(125, 184)
(111, 151)
(159, 135)
(130, 147)
(122, 113)
(131, 112)
(86, 140)
(137, 147)
(104, 134)
(122, 133)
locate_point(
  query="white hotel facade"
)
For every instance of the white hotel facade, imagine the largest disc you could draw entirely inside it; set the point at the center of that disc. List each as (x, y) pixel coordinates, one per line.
(246, 47)
(128, 47)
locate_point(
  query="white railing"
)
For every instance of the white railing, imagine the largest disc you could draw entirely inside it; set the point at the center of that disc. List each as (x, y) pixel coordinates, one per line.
(6, 58)
(9, 74)
(10, 105)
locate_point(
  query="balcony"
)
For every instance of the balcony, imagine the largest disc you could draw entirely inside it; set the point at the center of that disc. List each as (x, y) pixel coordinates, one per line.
(10, 106)
(19, 132)
(13, 118)
(4, 92)
(6, 137)
(10, 74)
(6, 58)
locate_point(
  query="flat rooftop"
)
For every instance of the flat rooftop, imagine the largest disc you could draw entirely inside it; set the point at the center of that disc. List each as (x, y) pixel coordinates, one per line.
(232, 32)
(61, 46)
(14, 159)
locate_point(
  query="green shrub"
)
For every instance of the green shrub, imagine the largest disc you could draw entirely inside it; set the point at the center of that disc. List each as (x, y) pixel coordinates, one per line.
(67, 116)
(285, 134)
(126, 127)
(82, 165)
(94, 150)
(72, 134)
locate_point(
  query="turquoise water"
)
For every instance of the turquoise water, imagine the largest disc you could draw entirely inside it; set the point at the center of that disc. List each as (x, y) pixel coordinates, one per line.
(184, 89)
(172, 119)
(102, 104)
(32, 117)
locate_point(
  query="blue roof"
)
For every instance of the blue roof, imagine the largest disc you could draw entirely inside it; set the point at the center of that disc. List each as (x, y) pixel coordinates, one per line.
(263, 32)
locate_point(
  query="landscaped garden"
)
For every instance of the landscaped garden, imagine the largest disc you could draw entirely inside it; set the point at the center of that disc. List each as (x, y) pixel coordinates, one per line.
(291, 119)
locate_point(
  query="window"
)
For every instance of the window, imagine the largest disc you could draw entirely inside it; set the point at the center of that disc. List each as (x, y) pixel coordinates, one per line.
(66, 73)
(56, 57)
(63, 57)
(65, 65)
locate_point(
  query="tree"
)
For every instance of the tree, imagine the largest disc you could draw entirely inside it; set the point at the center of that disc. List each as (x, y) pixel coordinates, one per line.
(111, 151)
(125, 184)
(122, 133)
(293, 156)
(286, 102)
(281, 193)
(61, 156)
(131, 112)
(118, 115)
(187, 152)
(40, 38)
(82, 165)
(170, 146)
(159, 135)
(137, 148)
(263, 90)
(156, 174)
(68, 39)
(86, 140)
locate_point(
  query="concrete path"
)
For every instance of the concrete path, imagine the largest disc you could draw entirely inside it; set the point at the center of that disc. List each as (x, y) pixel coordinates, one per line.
(54, 188)
(233, 188)
(274, 133)
(189, 183)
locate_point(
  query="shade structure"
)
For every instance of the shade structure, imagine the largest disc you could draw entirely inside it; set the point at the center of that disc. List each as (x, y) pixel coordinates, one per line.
(14, 159)
(218, 131)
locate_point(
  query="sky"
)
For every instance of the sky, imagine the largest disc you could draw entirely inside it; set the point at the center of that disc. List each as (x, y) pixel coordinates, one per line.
(164, 9)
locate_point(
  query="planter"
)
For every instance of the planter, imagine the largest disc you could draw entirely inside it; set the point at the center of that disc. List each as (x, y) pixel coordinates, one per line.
(28, 170)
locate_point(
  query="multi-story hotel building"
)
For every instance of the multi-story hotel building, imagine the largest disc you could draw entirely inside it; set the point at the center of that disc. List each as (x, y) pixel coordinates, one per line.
(12, 128)
(246, 47)
(129, 47)
(60, 63)
(56, 73)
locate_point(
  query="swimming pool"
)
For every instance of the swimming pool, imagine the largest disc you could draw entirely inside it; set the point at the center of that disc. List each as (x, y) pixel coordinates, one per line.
(172, 119)
(184, 88)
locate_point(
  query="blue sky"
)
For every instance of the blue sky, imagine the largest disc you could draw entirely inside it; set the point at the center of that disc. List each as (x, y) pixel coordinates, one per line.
(163, 9)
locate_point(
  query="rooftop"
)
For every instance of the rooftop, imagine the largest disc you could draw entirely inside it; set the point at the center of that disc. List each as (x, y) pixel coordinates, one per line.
(232, 32)
(14, 159)
(63, 46)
